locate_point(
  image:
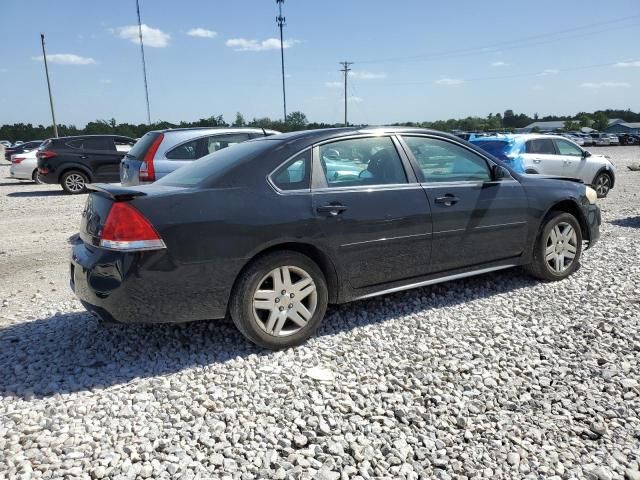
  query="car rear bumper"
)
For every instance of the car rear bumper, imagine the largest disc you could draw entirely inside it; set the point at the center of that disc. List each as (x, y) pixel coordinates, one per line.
(145, 287)
(20, 173)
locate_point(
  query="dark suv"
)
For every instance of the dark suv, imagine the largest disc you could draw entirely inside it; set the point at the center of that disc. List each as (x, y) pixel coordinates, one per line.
(75, 161)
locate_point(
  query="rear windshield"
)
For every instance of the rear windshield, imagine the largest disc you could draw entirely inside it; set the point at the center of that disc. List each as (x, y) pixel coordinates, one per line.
(497, 148)
(215, 163)
(142, 145)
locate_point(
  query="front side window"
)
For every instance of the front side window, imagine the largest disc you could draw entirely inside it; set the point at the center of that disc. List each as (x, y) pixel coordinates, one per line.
(361, 161)
(295, 174)
(541, 146)
(441, 161)
(568, 148)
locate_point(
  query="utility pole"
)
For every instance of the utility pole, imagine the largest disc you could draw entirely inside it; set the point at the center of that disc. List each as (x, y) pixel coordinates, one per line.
(280, 20)
(144, 63)
(46, 71)
(345, 69)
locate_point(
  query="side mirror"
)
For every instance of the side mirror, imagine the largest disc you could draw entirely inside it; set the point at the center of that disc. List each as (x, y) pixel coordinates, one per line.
(499, 173)
(586, 154)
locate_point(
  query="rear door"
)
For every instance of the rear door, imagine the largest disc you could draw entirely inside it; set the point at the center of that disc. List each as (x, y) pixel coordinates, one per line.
(476, 220)
(541, 156)
(102, 157)
(373, 216)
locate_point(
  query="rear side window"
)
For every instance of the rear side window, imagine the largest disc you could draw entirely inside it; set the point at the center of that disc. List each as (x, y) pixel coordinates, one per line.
(98, 143)
(188, 151)
(77, 143)
(141, 146)
(295, 174)
(123, 144)
(218, 142)
(543, 146)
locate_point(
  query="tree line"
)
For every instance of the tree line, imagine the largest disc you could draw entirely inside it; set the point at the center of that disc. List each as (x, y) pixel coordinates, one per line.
(506, 121)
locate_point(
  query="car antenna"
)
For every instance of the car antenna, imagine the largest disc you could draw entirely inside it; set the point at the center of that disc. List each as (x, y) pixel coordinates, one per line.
(264, 132)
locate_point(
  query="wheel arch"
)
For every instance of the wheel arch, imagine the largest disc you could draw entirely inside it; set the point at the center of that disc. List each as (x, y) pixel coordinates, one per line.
(320, 258)
(569, 206)
(74, 166)
(608, 172)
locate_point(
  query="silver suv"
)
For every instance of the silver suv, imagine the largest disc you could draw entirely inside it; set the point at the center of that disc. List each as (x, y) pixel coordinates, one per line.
(160, 152)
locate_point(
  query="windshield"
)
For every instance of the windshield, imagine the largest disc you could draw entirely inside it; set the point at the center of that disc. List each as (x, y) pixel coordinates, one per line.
(215, 163)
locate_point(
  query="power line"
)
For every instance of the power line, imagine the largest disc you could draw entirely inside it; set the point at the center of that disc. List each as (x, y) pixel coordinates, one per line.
(345, 69)
(46, 71)
(281, 21)
(511, 44)
(144, 63)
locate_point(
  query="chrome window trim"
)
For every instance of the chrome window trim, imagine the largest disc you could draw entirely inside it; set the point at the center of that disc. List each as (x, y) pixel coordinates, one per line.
(297, 191)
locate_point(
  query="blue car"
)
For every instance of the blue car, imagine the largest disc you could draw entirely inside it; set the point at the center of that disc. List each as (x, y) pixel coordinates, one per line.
(507, 149)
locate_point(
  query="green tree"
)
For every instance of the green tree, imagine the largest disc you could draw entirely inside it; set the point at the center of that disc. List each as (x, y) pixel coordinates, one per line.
(570, 126)
(584, 119)
(297, 121)
(239, 121)
(600, 121)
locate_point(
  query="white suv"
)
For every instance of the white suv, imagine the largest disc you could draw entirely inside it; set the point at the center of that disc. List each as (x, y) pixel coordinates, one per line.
(551, 155)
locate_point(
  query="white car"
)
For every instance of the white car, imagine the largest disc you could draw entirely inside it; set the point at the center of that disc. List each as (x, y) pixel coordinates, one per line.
(552, 155)
(24, 166)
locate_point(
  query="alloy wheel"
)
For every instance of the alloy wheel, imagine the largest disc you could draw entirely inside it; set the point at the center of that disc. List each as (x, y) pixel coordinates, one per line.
(603, 183)
(285, 301)
(74, 182)
(561, 247)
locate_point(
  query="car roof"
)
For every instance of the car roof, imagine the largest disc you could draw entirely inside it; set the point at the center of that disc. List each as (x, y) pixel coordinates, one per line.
(73, 137)
(216, 129)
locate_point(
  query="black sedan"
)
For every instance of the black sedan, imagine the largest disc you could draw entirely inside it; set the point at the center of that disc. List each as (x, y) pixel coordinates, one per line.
(272, 230)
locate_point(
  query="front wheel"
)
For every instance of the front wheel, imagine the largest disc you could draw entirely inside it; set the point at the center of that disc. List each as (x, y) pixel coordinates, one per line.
(74, 182)
(556, 254)
(279, 300)
(602, 184)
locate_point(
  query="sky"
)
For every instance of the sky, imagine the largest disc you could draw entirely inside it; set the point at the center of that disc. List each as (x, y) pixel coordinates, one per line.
(414, 60)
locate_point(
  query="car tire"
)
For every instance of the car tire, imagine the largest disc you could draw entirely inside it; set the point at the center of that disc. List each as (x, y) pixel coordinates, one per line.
(35, 178)
(279, 300)
(74, 182)
(602, 184)
(556, 253)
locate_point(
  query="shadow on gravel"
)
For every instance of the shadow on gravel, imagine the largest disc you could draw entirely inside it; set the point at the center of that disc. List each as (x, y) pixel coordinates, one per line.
(45, 193)
(629, 222)
(72, 352)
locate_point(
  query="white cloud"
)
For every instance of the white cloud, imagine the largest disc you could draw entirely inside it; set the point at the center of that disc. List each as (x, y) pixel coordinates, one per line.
(627, 64)
(548, 71)
(202, 33)
(66, 59)
(605, 85)
(367, 75)
(449, 81)
(152, 37)
(499, 64)
(246, 45)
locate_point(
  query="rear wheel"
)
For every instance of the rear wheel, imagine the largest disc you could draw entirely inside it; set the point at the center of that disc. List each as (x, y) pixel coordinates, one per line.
(279, 300)
(556, 254)
(74, 181)
(602, 184)
(35, 178)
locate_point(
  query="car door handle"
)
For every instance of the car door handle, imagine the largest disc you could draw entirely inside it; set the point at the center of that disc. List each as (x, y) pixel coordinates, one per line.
(537, 160)
(331, 209)
(84, 157)
(447, 200)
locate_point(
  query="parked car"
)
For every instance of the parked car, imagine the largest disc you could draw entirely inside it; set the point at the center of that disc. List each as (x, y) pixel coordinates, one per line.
(5, 143)
(613, 139)
(160, 152)
(586, 139)
(24, 166)
(241, 232)
(22, 148)
(574, 138)
(552, 155)
(73, 162)
(600, 139)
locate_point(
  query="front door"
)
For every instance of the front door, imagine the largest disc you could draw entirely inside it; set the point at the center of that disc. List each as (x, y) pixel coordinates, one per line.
(373, 215)
(476, 220)
(574, 160)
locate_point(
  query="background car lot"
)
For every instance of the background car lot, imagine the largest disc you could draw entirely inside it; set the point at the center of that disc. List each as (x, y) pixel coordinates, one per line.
(496, 375)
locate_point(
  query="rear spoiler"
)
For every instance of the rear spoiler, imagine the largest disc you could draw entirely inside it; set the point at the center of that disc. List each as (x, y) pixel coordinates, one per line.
(117, 192)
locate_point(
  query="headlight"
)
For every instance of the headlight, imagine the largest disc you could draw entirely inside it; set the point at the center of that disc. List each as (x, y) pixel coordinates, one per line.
(591, 194)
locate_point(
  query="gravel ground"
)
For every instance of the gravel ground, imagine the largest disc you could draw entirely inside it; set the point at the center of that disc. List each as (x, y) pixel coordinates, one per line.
(496, 376)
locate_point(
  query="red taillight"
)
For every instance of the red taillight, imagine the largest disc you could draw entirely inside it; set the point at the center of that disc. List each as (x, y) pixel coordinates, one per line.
(127, 229)
(46, 154)
(43, 171)
(17, 159)
(147, 169)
